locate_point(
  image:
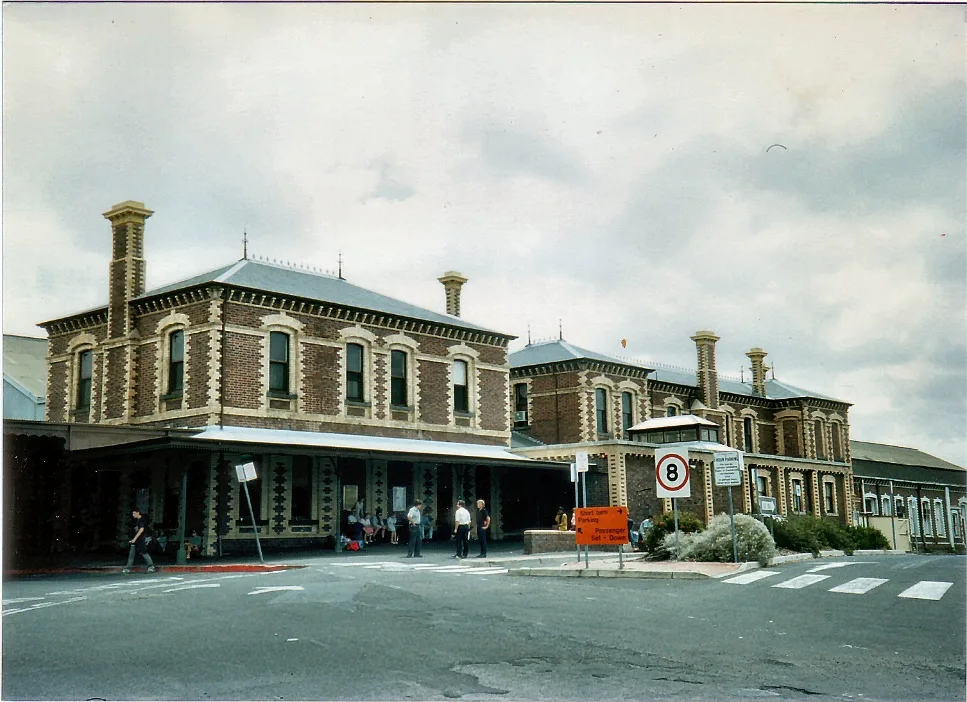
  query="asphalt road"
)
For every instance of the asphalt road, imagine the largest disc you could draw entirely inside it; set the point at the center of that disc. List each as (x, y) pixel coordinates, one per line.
(364, 628)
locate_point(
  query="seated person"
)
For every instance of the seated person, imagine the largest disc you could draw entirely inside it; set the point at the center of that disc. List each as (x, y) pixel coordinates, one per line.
(192, 544)
(355, 530)
(391, 528)
(427, 525)
(379, 527)
(368, 529)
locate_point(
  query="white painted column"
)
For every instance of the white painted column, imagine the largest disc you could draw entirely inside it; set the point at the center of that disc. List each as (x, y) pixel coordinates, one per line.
(950, 518)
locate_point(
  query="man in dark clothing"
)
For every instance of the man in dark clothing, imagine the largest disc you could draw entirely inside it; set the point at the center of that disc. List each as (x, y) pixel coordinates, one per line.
(138, 543)
(483, 523)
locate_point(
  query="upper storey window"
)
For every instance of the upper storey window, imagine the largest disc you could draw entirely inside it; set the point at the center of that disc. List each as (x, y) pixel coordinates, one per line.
(461, 399)
(176, 361)
(627, 411)
(601, 410)
(278, 362)
(520, 405)
(398, 380)
(354, 372)
(672, 411)
(85, 368)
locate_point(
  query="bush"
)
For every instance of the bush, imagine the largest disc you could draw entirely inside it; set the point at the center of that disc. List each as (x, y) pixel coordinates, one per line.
(665, 524)
(809, 534)
(753, 541)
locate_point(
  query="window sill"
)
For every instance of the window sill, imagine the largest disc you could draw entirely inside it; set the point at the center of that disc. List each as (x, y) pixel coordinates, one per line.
(400, 408)
(358, 403)
(464, 415)
(80, 411)
(177, 395)
(280, 395)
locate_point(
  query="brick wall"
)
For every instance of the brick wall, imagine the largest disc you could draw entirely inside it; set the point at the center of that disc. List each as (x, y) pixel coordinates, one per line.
(146, 390)
(243, 371)
(380, 382)
(493, 400)
(790, 438)
(197, 356)
(58, 384)
(320, 379)
(115, 382)
(434, 384)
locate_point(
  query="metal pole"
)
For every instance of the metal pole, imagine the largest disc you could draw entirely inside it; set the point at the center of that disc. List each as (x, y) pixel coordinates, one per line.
(181, 557)
(893, 515)
(577, 504)
(735, 550)
(675, 510)
(584, 491)
(255, 527)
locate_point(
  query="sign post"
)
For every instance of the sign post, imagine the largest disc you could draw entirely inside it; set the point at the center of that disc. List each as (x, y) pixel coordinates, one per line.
(728, 473)
(671, 475)
(581, 469)
(246, 472)
(574, 479)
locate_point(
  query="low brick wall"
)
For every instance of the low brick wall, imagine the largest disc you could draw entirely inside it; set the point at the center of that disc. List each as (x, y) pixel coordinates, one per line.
(548, 541)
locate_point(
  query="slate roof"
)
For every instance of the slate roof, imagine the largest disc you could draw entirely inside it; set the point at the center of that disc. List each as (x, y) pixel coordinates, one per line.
(899, 455)
(310, 285)
(559, 350)
(25, 361)
(681, 420)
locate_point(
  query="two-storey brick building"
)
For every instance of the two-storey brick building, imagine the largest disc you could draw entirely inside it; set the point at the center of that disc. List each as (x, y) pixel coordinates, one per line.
(567, 399)
(338, 393)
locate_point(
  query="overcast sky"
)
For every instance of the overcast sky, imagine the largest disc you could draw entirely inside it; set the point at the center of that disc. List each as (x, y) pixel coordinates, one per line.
(608, 166)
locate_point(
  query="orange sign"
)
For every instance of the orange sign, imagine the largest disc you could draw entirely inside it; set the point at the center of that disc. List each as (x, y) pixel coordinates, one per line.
(601, 526)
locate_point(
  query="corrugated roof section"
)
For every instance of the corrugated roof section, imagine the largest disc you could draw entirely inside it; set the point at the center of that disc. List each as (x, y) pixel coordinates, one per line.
(310, 285)
(25, 361)
(900, 455)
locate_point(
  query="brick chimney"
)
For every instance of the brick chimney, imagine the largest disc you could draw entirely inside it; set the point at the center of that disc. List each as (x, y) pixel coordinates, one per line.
(757, 356)
(708, 380)
(452, 282)
(127, 263)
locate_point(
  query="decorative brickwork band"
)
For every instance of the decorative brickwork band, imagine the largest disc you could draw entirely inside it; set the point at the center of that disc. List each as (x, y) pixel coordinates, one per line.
(427, 473)
(327, 496)
(496, 504)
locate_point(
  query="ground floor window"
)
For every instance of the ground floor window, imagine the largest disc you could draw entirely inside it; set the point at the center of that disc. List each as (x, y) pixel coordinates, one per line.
(914, 520)
(925, 513)
(939, 518)
(829, 497)
(869, 504)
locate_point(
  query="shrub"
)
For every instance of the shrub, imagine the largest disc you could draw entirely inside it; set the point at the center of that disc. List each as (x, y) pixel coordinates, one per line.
(868, 537)
(664, 524)
(805, 533)
(753, 541)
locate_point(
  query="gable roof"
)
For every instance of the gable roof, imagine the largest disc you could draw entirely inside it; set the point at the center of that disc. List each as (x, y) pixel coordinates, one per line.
(311, 285)
(899, 455)
(25, 362)
(681, 420)
(558, 350)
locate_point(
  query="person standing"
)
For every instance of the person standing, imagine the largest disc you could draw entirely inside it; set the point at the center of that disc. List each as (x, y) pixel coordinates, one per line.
(138, 542)
(461, 527)
(414, 547)
(483, 523)
(560, 520)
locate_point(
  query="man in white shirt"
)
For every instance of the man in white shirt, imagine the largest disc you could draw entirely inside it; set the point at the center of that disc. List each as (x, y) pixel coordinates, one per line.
(461, 527)
(414, 547)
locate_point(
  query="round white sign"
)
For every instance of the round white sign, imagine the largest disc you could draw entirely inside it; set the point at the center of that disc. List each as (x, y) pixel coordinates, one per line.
(671, 470)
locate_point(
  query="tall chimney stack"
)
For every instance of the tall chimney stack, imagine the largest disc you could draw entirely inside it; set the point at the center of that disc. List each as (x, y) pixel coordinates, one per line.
(126, 281)
(708, 379)
(452, 282)
(757, 356)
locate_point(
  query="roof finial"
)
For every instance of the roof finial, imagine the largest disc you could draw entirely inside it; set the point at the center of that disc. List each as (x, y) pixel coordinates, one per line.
(340, 266)
(773, 369)
(244, 244)
(528, 334)
(560, 330)
(742, 374)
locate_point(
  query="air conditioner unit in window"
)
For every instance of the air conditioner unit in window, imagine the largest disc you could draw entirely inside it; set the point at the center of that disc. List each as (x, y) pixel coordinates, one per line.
(521, 417)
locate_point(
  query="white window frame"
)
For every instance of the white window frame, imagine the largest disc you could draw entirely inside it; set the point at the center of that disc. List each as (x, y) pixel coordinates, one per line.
(886, 508)
(913, 514)
(927, 517)
(832, 483)
(867, 497)
(939, 518)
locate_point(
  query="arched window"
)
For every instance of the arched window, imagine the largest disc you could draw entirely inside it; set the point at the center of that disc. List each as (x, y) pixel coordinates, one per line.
(914, 518)
(354, 372)
(520, 405)
(627, 411)
(398, 379)
(85, 372)
(747, 435)
(925, 513)
(278, 362)
(885, 509)
(601, 410)
(820, 440)
(672, 411)
(461, 389)
(938, 518)
(837, 443)
(176, 361)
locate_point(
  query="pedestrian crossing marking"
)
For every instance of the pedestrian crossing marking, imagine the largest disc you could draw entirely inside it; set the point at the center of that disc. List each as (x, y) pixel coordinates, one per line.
(801, 582)
(859, 586)
(486, 571)
(926, 590)
(829, 566)
(747, 578)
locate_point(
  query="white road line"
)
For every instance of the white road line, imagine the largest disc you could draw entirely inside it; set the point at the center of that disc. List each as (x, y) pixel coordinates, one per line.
(859, 586)
(926, 590)
(830, 566)
(487, 571)
(447, 569)
(43, 605)
(156, 586)
(279, 588)
(356, 564)
(18, 600)
(751, 577)
(801, 581)
(192, 587)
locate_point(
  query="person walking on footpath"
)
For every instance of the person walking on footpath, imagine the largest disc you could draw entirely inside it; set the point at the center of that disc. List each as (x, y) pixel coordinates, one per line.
(414, 547)
(138, 543)
(483, 523)
(461, 527)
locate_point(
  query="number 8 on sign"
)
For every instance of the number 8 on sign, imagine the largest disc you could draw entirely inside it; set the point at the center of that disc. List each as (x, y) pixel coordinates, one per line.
(671, 472)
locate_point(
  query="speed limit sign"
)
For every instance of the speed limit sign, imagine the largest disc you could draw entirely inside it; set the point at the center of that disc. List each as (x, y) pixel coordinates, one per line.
(671, 473)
